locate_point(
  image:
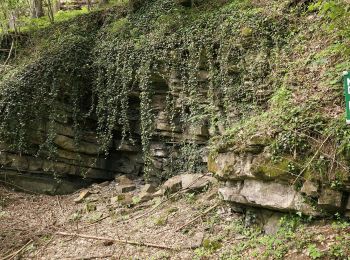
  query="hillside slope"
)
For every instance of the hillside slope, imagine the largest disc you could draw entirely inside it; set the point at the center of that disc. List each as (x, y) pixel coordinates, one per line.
(251, 88)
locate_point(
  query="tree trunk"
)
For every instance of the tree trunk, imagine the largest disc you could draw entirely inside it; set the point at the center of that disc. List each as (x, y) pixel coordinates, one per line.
(37, 9)
(50, 11)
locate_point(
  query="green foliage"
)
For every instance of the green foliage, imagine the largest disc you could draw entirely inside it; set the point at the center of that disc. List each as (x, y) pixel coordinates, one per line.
(247, 87)
(33, 24)
(32, 94)
(314, 252)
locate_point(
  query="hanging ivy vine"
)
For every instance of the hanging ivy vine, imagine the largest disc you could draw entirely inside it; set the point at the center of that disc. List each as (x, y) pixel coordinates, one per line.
(229, 43)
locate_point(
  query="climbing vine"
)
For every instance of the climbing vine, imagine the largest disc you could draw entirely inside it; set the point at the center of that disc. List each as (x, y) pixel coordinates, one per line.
(215, 60)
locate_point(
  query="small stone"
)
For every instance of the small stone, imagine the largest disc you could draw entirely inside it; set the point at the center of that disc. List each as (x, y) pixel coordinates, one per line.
(123, 180)
(82, 195)
(127, 201)
(330, 199)
(145, 196)
(125, 188)
(310, 189)
(172, 185)
(196, 182)
(117, 198)
(104, 184)
(150, 188)
(108, 243)
(197, 240)
(158, 193)
(273, 224)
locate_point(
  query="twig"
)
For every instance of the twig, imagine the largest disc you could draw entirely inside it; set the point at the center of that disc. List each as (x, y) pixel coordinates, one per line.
(323, 153)
(42, 248)
(313, 157)
(10, 52)
(17, 252)
(135, 243)
(199, 216)
(94, 222)
(92, 257)
(59, 203)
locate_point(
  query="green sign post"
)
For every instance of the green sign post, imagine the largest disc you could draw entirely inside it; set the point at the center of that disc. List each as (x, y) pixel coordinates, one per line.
(346, 75)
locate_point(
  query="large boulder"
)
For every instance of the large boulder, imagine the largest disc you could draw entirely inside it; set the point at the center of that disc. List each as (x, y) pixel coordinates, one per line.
(269, 195)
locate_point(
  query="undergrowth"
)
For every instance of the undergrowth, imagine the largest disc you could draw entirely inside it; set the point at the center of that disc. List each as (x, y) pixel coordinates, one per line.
(241, 67)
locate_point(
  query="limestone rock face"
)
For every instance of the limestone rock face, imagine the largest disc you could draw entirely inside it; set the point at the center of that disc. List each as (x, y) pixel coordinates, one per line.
(84, 159)
(270, 195)
(310, 189)
(330, 199)
(231, 166)
(252, 179)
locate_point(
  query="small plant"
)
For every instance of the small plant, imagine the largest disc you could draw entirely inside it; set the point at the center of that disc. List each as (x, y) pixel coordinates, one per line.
(314, 252)
(190, 198)
(209, 247)
(136, 200)
(161, 220)
(76, 216)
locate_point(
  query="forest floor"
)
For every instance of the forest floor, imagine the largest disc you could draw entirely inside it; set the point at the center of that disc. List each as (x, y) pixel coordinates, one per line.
(56, 227)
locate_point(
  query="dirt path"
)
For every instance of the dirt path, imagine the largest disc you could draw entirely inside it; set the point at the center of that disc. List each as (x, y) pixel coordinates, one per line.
(29, 226)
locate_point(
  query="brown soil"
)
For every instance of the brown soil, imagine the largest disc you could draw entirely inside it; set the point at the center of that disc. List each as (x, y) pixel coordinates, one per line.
(29, 225)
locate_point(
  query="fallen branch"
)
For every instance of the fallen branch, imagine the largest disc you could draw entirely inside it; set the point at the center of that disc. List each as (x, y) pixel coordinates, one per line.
(12, 255)
(198, 217)
(91, 257)
(135, 243)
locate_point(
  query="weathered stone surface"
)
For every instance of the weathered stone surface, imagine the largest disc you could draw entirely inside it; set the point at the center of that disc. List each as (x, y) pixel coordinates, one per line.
(123, 180)
(228, 194)
(310, 189)
(231, 166)
(42, 183)
(158, 193)
(145, 196)
(330, 199)
(150, 188)
(122, 199)
(199, 131)
(82, 195)
(272, 224)
(125, 188)
(172, 185)
(118, 198)
(269, 195)
(196, 182)
(67, 143)
(127, 147)
(158, 150)
(347, 206)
